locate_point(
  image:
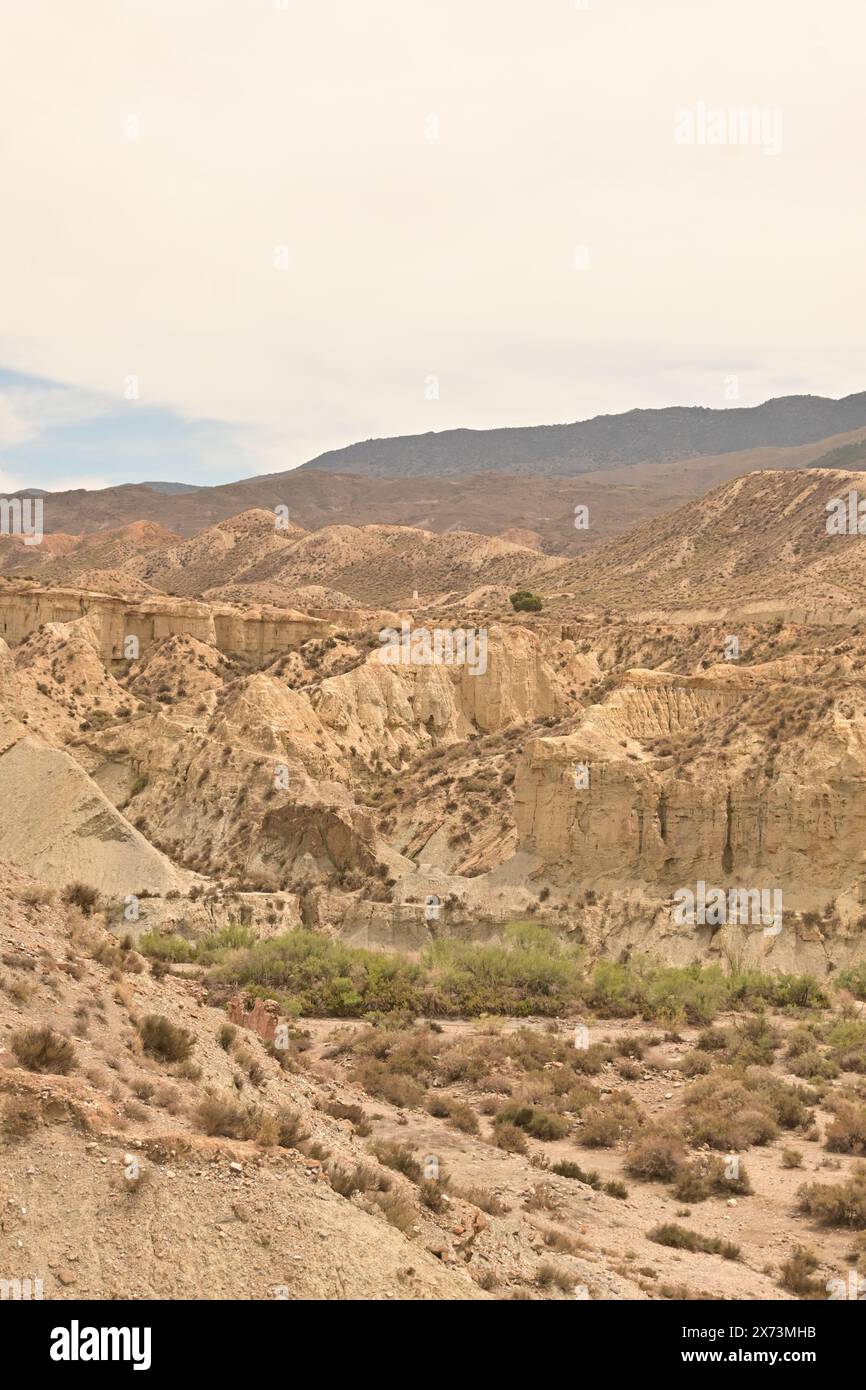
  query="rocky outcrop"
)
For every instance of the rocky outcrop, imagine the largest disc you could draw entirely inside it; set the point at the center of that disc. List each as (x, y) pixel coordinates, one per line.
(257, 634)
(652, 822)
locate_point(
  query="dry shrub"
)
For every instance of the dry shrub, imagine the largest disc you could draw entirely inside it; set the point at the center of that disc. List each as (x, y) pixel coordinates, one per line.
(486, 1201)
(510, 1138)
(41, 1049)
(837, 1204)
(656, 1156)
(549, 1276)
(614, 1118)
(707, 1176)
(846, 1134)
(81, 896)
(219, 1115)
(377, 1079)
(561, 1241)
(361, 1178)
(796, 1271)
(164, 1039)
(290, 1128)
(400, 1157)
(20, 1117)
(398, 1210)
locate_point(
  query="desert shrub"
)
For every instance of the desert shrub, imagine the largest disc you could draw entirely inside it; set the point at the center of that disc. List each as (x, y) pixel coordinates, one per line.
(377, 1079)
(166, 947)
(38, 896)
(164, 1039)
(361, 1178)
(216, 945)
(854, 979)
(846, 1039)
(398, 1210)
(41, 1049)
(733, 1110)
(814, 1066)
(615, 1188)
(432, 1192)
(846, 1133)
(795, 1274)
(550, 1276)
(660, 993)
(540, 1124)
(220, 1115)
(557, 1239)
(530, 972)
(289, 1128)
(675, 995)
(711, 1040)
(751, 1042)
(80, 895)
(249, 1063)
(707, 1175)
(837, 1204)
(524, 601)
(656, 1156)
(614, 1118)
(696, 1063)
(226, 1035)
(510, 1138)
(457, 1113)
(792, 1158)
(679, 1238)
(20, 1117)
(486, 1201)
(566, 1169)
(355, 1114)
(400, 1157)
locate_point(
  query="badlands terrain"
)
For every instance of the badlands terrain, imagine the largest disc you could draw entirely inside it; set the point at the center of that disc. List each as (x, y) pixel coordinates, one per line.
(328, 977)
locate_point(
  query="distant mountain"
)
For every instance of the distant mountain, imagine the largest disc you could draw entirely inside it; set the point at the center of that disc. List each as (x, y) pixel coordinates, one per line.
(757, 545)
(607, 441)
(172, 488)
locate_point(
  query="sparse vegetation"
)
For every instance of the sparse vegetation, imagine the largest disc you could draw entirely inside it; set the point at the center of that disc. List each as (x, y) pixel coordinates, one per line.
(41, 1049)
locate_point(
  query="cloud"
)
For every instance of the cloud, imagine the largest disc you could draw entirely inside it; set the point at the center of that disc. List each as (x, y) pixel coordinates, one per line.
(325, 206)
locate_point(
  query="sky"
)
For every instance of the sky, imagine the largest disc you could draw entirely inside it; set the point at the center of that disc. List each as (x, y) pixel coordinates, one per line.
(237, 233)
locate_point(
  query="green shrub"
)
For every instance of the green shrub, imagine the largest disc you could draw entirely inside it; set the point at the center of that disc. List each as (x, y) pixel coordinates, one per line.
(167, 947)
(541, 1124)
(854, 979)
(524, 601)
(566, 1169)
(679, 1238)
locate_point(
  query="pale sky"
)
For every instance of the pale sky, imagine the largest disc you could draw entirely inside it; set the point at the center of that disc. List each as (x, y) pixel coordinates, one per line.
(330, 204)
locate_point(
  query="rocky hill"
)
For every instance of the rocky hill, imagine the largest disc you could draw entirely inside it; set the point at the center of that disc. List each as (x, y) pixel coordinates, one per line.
(638, 436)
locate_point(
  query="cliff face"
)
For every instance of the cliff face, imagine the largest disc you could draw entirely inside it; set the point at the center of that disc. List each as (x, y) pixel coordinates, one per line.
(725, 815)
(252, 633)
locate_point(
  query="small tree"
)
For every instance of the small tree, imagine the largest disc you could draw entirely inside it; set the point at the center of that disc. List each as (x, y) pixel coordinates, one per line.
(523, 601)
